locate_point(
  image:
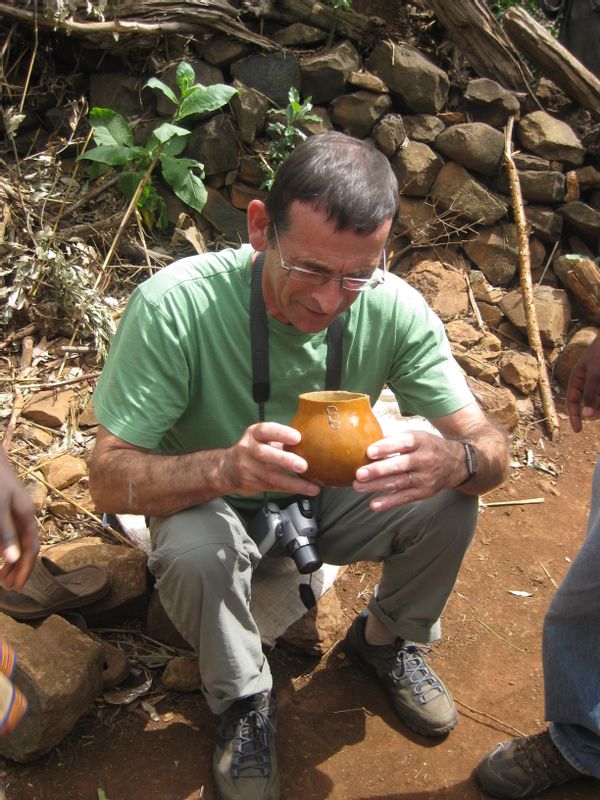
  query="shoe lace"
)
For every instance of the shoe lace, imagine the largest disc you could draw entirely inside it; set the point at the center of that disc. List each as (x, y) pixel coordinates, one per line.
(540, 758)
(410, 666)
(250, 733)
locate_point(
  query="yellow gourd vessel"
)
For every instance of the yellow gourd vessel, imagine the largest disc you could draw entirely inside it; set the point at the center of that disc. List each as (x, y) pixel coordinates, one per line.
(337, 428)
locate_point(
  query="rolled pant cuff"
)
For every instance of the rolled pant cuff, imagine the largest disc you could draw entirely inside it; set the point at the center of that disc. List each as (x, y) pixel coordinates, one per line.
(402, 629)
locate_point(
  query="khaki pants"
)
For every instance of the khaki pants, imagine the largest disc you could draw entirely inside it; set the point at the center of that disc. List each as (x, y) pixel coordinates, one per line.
(203, 560)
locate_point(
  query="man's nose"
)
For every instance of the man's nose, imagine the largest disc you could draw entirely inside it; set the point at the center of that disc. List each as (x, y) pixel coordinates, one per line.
(329, 297)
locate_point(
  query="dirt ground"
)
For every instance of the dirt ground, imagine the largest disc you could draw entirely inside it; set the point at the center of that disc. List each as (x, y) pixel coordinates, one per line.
(337, 737)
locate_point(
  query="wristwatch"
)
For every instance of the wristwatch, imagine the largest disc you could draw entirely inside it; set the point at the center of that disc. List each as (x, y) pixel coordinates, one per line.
(471, 459)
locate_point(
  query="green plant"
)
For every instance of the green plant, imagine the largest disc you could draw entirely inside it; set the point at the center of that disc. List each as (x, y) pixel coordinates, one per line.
(113, 137)
(337, 5)
(285, 134)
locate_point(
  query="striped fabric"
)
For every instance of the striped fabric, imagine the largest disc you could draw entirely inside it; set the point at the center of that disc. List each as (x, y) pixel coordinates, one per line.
(7, 659)
(13, 704)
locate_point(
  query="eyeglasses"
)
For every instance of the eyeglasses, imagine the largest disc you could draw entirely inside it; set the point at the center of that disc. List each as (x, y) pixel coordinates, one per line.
(347, 282)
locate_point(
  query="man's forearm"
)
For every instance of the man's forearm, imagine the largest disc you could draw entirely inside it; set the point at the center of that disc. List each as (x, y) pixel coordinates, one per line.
(492, 460)
(130, 482)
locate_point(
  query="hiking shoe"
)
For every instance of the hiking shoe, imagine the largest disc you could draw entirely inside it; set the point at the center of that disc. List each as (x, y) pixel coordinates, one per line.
(245, 759)
(524, 767)
(417, 694)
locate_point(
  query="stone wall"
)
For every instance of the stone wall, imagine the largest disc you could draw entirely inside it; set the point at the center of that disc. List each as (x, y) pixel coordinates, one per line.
(456, 240)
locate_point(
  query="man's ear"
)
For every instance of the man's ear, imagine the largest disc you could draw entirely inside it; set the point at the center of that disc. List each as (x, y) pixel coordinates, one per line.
(258, 221)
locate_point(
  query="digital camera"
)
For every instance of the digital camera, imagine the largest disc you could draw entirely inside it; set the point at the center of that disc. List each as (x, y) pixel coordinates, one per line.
(291, 531)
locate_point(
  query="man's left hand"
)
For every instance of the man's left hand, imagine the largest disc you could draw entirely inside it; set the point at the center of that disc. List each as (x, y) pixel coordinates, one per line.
(410, 466)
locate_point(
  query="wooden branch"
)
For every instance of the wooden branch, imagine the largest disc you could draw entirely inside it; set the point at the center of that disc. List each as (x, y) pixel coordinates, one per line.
(349, 24)
(553, 59)
(533, 333)
(143, 18)
(473, 28)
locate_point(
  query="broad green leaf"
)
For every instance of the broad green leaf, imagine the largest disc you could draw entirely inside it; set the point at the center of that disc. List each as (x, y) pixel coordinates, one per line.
(185, 77)
(154, 83)
(96, 170)
(172, 147)
(113, 155)
(110, 127)
(167, 131)
(187, 186)
(204, 99)
(128, 183)
(191, 163)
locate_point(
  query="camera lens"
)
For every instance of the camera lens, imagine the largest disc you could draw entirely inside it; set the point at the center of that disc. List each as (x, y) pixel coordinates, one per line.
(306, 559)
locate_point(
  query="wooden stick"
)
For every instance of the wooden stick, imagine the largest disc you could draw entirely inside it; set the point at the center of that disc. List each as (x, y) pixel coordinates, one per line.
(489, 716)
(498, 636)
(90, 376)
(34, 474)
(513, 502)
(533, 332)
(550, 578)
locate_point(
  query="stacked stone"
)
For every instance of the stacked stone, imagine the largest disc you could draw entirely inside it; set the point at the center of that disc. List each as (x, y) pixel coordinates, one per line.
(456, 218)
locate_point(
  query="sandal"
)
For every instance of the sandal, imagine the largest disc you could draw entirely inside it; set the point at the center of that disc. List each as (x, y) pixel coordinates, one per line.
(50, 589)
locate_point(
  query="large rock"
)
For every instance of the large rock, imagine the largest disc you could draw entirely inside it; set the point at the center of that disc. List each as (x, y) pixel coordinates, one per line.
(50, 409)
(358, 112)
(225, 218)
(416, 167)
(455, 190)
(497, 402)
(496, 252)
(249, 108)
(421, 86)
(572, 352)
(213, 144)
(324, 74)
(582, 217)
(542, 187)
(128, 597)
(389, 134)
(553, 312)
(273, 74)
(581, 276)
(475, 145)
(545, 222)
(423, 127)
(116, 90)
(550, 138)
(519, 370)
(488, 101)
(59, 670)
(64, 471)
(444, 289)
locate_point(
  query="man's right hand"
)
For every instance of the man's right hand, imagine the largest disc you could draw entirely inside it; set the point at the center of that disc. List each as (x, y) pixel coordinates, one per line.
(583, 392)
(258, 462)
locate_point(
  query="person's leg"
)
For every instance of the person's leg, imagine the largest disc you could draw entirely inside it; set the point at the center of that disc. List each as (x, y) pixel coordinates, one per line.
(571, 648)
(421, 546)
(570, 747)
(203, 559)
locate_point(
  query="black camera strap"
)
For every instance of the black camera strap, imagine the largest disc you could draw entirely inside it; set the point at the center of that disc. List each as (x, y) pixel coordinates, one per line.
(259, 338)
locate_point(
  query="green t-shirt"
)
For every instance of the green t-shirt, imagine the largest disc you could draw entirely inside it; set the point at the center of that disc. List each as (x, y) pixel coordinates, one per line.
(178, 377)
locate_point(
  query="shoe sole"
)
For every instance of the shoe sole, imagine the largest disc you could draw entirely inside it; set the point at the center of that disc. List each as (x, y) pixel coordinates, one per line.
(367, 668)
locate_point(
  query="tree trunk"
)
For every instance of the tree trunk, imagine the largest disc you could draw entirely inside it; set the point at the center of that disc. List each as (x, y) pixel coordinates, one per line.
(553, 59)
(473, 28)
